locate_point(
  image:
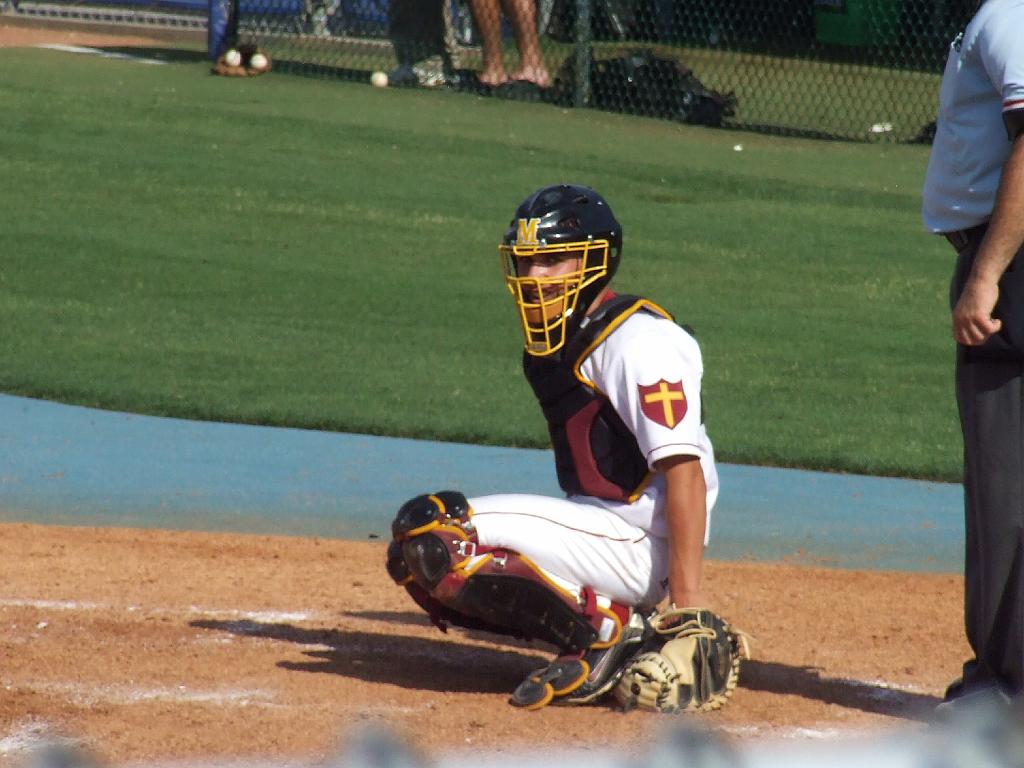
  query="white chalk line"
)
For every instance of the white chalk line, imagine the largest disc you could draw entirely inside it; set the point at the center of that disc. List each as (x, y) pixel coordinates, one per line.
(100, 52)
(50, 605)
(260, 616)
(83, 694)
(884, 690)
(790, 733)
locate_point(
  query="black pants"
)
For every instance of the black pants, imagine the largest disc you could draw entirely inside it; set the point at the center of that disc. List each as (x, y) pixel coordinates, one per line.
(417, 29)
(990, 397)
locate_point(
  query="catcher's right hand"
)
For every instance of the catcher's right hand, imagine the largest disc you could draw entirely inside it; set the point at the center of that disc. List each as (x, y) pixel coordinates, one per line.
(695, 670)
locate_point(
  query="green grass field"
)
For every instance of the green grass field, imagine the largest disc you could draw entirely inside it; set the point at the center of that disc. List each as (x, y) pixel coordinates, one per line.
(305, 252)
(794, 95)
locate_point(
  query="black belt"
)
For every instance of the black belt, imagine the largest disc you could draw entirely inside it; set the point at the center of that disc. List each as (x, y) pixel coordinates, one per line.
(964, 237)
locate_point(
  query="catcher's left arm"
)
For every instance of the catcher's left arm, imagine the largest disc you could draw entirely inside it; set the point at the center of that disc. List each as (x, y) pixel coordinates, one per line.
(686, 514)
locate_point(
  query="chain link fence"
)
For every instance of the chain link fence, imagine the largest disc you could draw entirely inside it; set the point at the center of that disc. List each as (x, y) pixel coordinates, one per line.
(851, 69)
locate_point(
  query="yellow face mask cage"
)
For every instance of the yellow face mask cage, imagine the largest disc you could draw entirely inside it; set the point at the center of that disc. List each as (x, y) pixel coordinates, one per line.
(545, 304)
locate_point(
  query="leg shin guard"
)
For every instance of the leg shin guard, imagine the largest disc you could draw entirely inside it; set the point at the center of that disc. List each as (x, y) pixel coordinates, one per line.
(508, 589)
(435, 549)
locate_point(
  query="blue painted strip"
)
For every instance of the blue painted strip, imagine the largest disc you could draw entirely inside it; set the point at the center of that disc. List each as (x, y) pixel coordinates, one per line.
(78, 466)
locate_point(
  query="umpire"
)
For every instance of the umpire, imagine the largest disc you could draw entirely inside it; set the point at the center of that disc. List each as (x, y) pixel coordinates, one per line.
(974, 196)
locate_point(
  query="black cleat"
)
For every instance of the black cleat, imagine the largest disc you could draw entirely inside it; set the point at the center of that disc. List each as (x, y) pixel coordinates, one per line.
(559, 678)
(581, 679)
(606, 665)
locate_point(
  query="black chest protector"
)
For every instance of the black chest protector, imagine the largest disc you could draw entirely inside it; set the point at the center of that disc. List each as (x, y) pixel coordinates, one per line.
(595, 452)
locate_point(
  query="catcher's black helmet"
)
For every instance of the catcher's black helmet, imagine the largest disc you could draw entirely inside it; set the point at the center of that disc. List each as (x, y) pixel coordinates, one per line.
(563, 221)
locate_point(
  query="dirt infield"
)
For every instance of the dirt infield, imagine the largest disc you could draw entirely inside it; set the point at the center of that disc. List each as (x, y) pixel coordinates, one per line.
(165, 645)
(21, 32)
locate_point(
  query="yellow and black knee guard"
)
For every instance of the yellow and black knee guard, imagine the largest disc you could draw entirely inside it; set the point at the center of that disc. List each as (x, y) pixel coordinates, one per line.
(435, 554)
(427, 532)
(413, 555)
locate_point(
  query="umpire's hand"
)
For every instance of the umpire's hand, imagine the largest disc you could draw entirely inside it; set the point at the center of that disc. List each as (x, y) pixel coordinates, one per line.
(972, 316)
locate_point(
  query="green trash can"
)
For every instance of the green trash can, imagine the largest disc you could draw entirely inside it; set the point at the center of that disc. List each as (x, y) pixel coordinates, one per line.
(857, 22)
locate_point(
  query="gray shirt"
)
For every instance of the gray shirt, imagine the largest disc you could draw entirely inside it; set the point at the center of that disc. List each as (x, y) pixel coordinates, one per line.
(984, 78)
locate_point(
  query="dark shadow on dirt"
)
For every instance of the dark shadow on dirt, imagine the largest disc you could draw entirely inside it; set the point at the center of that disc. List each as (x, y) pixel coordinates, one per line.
(412, 618)
(443, 665)
(807, 682)
(448, 664)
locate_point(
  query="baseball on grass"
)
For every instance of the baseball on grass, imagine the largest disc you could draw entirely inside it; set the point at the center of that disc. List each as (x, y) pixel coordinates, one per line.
(232, 58)
(379, 79)
(258, 61)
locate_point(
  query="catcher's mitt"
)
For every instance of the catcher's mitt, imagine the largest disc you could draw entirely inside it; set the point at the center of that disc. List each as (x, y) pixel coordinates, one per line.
(695, 670)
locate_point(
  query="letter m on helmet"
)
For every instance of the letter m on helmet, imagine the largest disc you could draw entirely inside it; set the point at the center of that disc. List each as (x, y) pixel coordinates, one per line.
(527, 234)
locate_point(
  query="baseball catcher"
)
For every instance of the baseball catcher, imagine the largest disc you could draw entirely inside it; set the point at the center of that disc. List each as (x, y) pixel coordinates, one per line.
(619, 383)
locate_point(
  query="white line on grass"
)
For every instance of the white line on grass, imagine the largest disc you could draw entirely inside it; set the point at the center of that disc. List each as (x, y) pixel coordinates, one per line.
(100, 52)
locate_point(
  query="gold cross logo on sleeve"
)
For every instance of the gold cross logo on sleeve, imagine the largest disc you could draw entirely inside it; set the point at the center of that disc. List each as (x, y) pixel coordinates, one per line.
(665, 394)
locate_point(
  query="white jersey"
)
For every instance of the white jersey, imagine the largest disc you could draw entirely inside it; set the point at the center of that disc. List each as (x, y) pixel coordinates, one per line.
(650, 369)
(984, 78)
